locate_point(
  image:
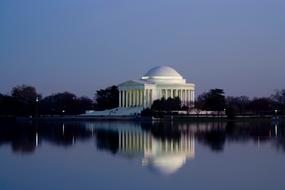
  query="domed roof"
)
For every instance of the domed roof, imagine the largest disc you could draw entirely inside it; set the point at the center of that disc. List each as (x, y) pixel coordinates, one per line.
(162, 71)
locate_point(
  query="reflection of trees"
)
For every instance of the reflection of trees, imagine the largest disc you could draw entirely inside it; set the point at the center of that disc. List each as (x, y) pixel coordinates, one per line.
(25, 137)
(22, 139)
(256, 131)
(215, 139)
(107, 140)
(63, 133)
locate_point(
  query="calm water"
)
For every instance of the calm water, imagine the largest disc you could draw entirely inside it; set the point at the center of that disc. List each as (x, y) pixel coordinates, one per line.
(129, 155)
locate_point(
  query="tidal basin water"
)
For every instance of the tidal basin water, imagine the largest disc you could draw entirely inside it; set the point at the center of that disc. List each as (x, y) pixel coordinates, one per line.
(135, 155)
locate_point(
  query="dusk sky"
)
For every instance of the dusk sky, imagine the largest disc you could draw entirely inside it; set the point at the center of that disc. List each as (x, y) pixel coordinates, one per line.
(83, 45)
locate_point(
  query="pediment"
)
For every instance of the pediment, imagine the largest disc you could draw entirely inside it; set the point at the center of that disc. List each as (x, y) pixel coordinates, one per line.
(132, 83)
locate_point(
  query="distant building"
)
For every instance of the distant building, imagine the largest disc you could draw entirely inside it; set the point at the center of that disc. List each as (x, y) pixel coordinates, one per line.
(161, 81)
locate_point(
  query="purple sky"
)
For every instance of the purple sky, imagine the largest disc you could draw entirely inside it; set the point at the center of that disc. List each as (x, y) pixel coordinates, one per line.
(83, 45)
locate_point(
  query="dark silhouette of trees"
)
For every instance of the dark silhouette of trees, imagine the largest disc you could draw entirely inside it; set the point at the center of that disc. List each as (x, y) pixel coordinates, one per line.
(261, 105)
(162, 107)
(279, 99)
(107, 98)
(213, 100)
(60, 103)
(83, 104)
(148, 112)
(237, 105)
(64, 103)
(8, 105)
(25, 93)
(24, 99)
(167, 105)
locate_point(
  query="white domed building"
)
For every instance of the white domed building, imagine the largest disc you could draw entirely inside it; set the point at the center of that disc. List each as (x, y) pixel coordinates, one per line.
(161, 81)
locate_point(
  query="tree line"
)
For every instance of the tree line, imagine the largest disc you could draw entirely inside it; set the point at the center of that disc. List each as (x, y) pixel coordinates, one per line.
(216, 100)
(24, 100)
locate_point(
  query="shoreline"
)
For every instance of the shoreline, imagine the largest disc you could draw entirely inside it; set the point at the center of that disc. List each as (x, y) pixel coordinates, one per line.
(138, 118)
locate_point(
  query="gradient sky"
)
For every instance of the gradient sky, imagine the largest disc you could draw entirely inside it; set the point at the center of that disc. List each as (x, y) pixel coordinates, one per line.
(83, 45)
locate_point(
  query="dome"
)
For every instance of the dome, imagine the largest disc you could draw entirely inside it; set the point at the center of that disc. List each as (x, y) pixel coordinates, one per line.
(164, 71)
(163, 74)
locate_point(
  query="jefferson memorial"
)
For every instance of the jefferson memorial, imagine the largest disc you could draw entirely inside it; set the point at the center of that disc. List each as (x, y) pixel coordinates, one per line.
(158, 82)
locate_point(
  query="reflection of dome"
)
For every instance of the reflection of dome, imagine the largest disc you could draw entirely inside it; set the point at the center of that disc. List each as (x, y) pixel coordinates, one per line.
(163, 74)
(166, 164)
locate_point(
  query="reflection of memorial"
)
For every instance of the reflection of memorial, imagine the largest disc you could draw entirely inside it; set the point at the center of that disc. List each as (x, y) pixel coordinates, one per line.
(161, 147)
(165, 156)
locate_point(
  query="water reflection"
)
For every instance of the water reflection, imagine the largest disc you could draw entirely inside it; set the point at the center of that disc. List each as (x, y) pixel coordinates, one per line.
(161, 147)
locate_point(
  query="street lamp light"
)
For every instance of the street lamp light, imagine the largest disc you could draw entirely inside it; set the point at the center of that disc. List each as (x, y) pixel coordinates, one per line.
(37, 106)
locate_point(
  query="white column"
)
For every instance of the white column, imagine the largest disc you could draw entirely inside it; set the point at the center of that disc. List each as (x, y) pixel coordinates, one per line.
(182, 96)
(141, 99)
(138, 98)
(132, 98)
(191, 97)
(150, 97)
(124, 98)
(187, 97)
(120, 96)
(145, 97)
(127, 98)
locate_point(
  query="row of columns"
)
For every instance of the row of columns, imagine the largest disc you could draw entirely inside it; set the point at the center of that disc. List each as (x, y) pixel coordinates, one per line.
(144, 98)
(186, 96)
(135, 98)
